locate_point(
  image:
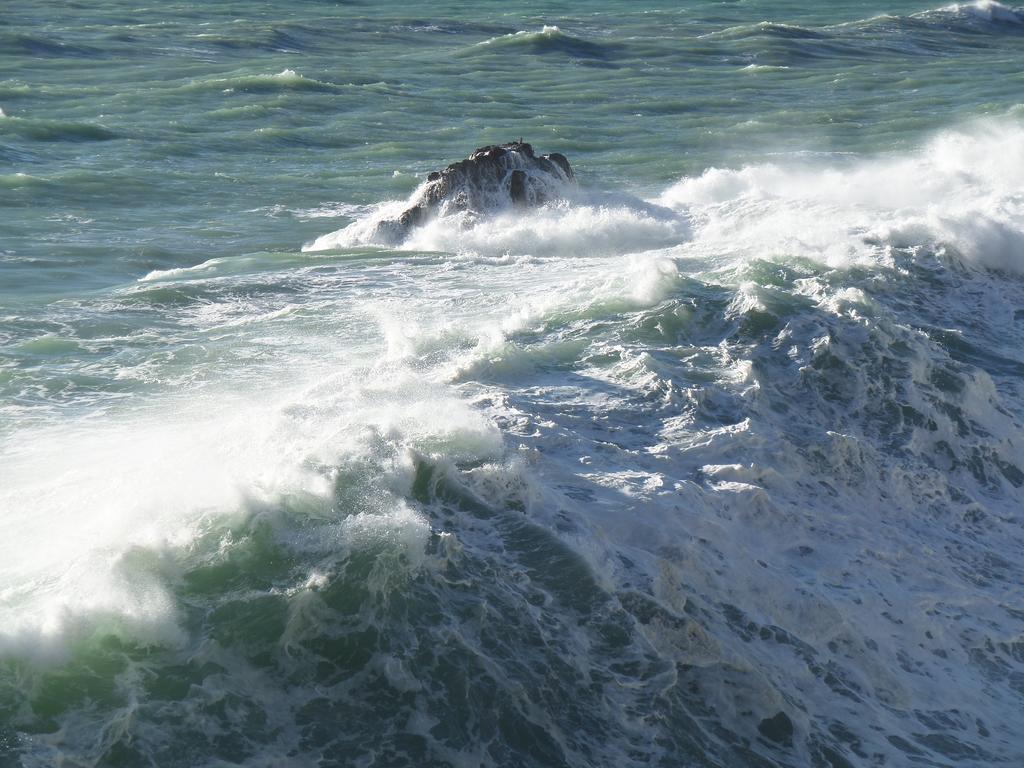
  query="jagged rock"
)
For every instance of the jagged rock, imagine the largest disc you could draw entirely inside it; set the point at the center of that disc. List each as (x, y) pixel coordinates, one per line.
(492, 178)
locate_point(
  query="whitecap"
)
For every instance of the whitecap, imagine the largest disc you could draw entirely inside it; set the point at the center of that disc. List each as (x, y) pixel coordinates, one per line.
(960, 192)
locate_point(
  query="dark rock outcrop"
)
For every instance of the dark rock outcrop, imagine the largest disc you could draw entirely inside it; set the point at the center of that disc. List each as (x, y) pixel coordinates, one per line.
(491, 179)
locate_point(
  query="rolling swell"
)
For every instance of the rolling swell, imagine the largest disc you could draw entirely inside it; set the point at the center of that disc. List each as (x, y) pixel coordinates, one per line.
(548, 40)
(942, 32)
(35, 45)
(54, 130)
(285, 80)
(295, 38)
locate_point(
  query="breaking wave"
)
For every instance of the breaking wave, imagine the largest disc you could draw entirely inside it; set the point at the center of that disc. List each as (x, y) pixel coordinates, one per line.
(728, 476)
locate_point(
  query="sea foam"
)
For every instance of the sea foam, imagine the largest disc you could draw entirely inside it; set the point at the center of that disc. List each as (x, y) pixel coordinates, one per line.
(959, 193)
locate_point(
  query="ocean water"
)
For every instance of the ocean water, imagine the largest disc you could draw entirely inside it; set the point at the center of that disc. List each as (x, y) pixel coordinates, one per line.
(717, 461)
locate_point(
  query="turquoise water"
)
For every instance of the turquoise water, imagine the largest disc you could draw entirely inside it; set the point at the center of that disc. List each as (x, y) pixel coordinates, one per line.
(717, 461)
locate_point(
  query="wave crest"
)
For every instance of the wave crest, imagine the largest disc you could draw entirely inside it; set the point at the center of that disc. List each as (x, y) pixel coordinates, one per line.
(958, 196)
(285, 80)
(549, 39)
(593, 224)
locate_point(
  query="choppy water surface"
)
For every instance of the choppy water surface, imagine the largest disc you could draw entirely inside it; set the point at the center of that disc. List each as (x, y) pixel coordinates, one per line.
(719, 461)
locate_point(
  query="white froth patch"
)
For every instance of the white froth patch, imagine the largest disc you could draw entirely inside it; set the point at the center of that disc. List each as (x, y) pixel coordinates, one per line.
(77, 503)
(402, 531)
(463, 338)
(208, 267)
(95, 516)
(331, 210)
(989, 10)
(557, 230)
(98, 593)
(548, 30)
(360, 232)
(961, 192)
(606, 287)
(580, 227)
(450, 428)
